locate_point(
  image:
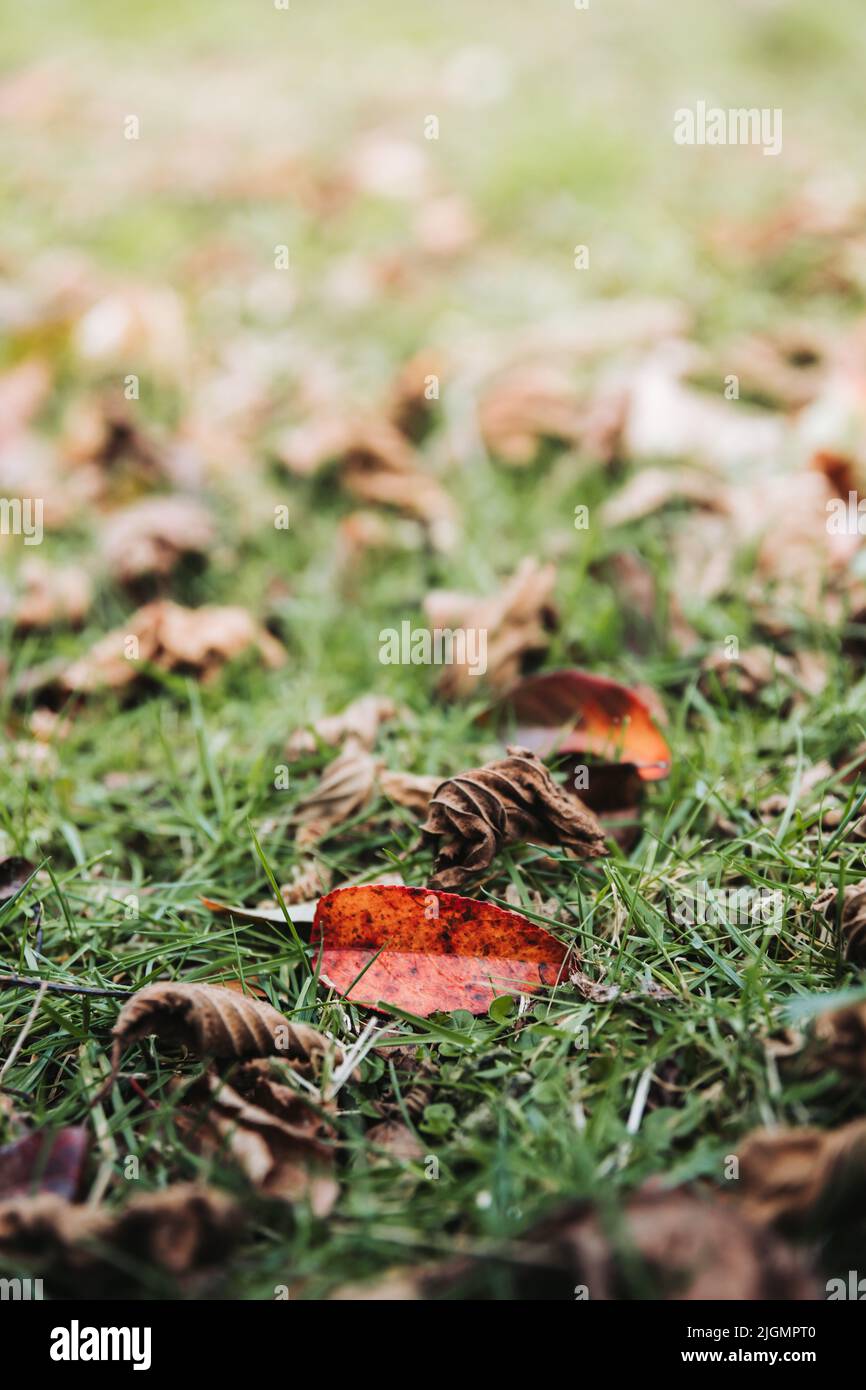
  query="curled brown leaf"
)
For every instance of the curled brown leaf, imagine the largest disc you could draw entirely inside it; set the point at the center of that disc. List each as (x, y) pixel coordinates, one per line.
(47, 594)
(788, 1178)
(359, 721)
(840, 1035)
(182, 1231)
(378, 465)
(344, 787)
(211, 1021)
(526, 406)
(150, 537)
(690, 1247)
(112, 457)
(168, 636)
(475, 814)
(411, 404)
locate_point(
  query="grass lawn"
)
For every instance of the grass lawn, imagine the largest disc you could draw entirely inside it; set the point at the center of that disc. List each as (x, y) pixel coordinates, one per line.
(554, 130)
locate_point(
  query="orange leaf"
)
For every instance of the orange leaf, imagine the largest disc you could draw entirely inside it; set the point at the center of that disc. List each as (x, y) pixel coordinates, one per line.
(573, 712)
(429, 950)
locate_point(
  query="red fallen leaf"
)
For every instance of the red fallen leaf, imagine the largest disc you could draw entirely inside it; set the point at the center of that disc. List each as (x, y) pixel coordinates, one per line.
(44, 1162)
(435, 950)
(573, 712)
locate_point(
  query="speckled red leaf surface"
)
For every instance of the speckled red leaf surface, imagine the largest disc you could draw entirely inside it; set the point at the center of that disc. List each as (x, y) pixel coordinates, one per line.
(44, 1162)
(573, 712)
(429, 950)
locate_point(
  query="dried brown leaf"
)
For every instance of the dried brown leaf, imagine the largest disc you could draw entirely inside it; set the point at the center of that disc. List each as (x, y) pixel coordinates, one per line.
(651, 489)
(211, 1021)
(475, 814)
(396, 1139)
(309, 880)
(362, 532)
(360, 721)
(101, 431)
(408, 789)
(414, 1093)
(344, 787)
(790, 1177)
(806, 782)
(840, 1035)
(746, 674)
(151, 536)
(787, 365)
(783, 516)
(282, 1154)
(796, 552)
(46, 594)
(515, 621)
(183, 1231)
(411, 405)
(171, 637)
(690, 1247)
(594, 990)
(677, 1244)
(528, 405)
(378, 467)
(377, 464)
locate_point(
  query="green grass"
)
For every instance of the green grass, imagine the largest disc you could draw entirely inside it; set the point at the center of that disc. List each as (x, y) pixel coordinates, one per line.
(523, 1115)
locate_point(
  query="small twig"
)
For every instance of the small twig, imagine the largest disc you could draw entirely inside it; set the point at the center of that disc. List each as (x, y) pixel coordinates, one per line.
(22, 1036)
(365, 1043)
(26, 982)
(142, 1094)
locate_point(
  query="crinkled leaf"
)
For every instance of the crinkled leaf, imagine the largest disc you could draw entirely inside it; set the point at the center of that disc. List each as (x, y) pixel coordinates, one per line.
(474, 815)
(212, 1021)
